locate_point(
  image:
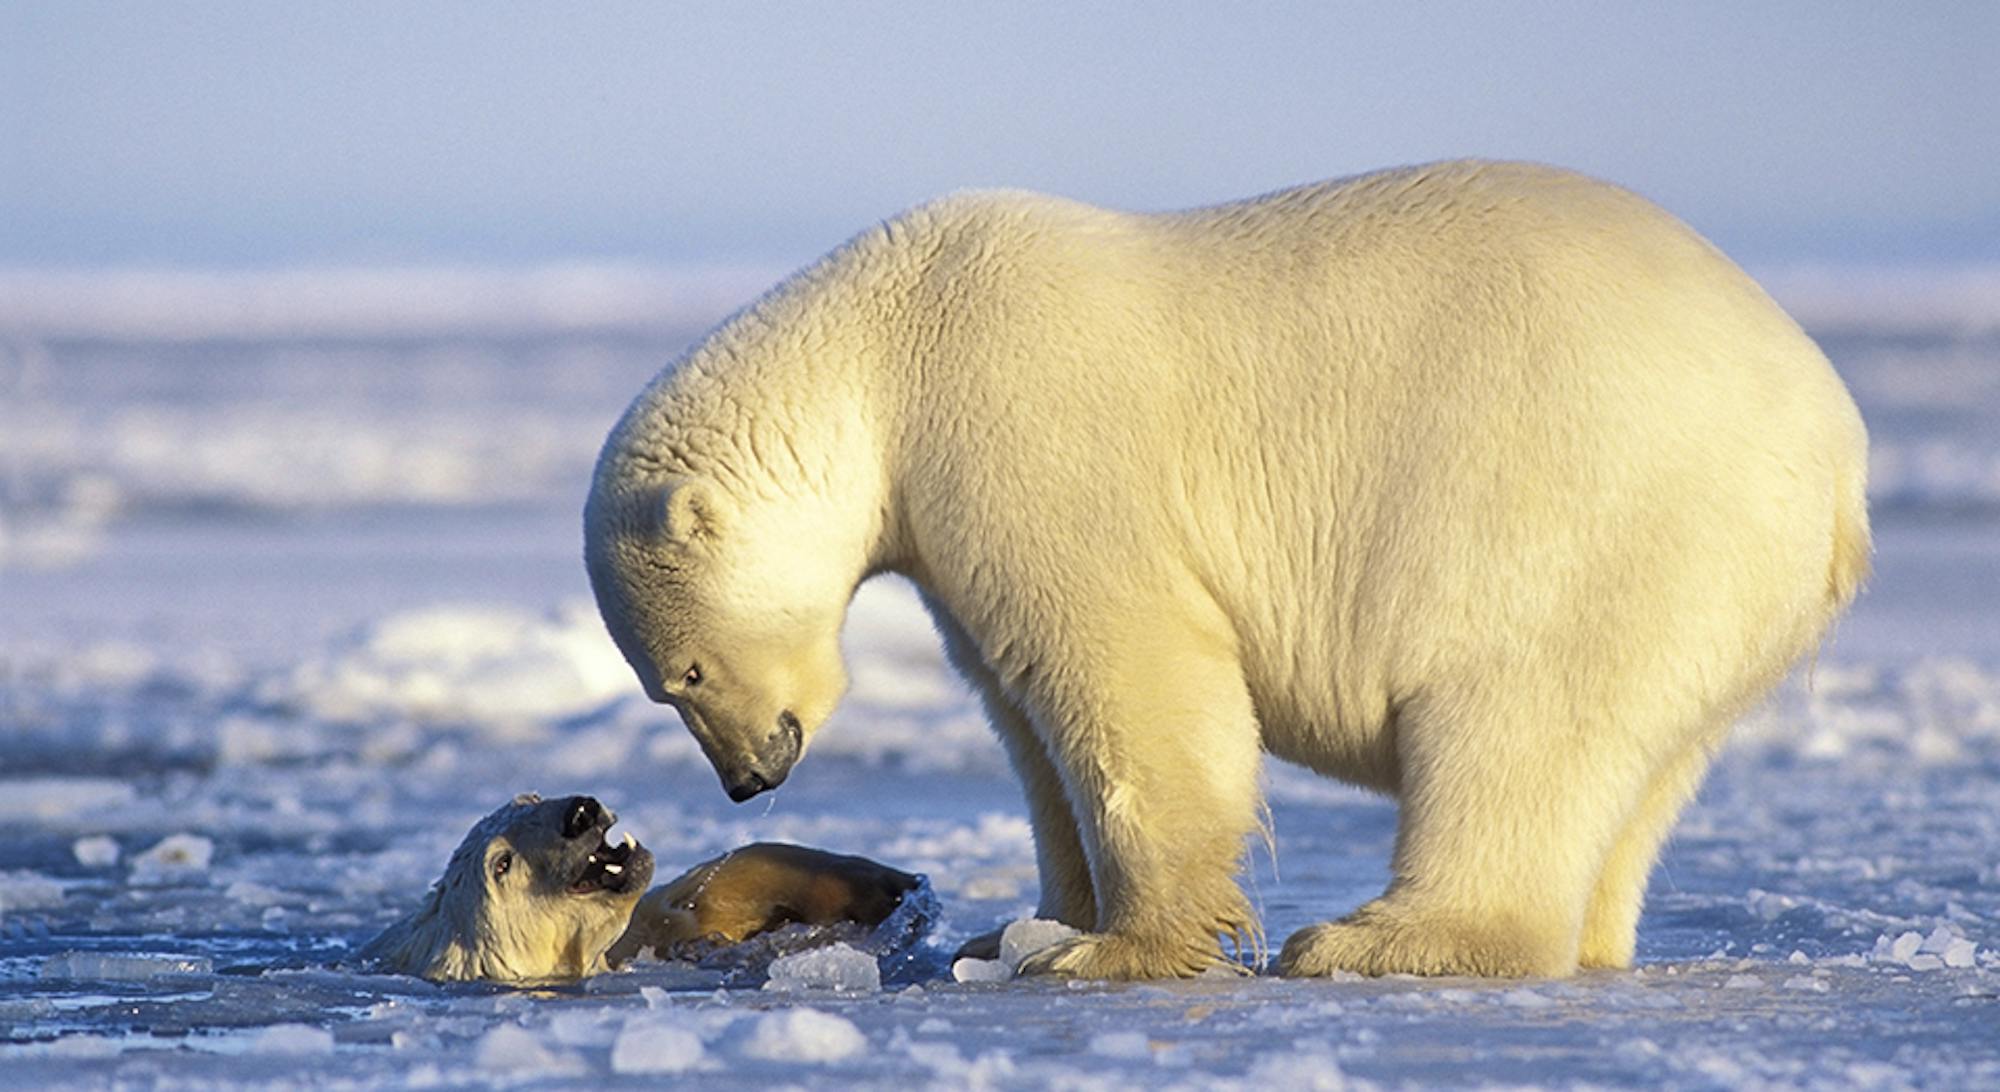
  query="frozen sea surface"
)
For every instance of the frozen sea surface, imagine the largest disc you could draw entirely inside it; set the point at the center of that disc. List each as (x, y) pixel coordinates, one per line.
(290, 596)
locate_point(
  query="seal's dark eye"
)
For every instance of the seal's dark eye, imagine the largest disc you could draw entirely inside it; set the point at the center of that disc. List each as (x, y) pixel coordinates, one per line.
(693, 676)
(501, 864)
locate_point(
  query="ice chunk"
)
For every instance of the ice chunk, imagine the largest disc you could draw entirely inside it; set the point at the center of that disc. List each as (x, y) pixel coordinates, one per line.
(96, 851)
(1898, 949)
(50, 799)
(292, 1039)
(1944, 947)
(652, 1045)
(28, 891)
(122, 967)
(582, 1027)
(1308, 1071)
(1024, 938)
(87, 1046)
(511, 1048)
(502, 669)
(176, 857)
(803, 1035)
(1121, 1044)
(980, 970)
(1524, 998)
(253, 894)
(834, 967)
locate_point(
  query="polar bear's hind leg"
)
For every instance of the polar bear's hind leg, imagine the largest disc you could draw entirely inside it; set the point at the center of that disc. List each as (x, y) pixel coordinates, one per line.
(1496, 859)
(1611, 923)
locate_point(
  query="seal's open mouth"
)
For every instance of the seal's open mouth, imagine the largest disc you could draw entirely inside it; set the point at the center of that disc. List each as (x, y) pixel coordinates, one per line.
(614, 869)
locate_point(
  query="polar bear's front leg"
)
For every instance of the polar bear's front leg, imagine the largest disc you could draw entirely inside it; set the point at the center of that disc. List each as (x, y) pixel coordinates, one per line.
(1158, 746)
(1060, 862)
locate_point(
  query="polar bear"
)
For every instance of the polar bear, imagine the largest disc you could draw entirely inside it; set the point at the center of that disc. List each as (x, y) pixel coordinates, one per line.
(1485, 485)
(536, 894)
(533, 894)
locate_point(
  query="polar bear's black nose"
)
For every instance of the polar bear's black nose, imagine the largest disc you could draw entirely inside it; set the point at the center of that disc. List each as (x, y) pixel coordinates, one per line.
(581, 816)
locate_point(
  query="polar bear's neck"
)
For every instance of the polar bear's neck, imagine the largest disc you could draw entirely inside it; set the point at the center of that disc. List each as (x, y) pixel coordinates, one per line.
(782, 408)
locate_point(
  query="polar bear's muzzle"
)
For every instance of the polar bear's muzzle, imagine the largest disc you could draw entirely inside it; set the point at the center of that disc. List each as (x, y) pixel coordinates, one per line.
(621, 868)
(768, 763)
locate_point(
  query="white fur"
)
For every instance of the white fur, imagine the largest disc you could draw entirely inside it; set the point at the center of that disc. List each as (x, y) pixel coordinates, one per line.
(518, 926)
(1482, 484)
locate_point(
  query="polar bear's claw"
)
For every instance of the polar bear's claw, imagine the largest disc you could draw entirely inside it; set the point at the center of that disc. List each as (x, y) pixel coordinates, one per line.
(1375, 940)
(1121, 958)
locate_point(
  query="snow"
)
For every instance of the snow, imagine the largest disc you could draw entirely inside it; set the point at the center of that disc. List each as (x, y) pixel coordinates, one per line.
(804, 1035)
(285, 614)
(836, 967)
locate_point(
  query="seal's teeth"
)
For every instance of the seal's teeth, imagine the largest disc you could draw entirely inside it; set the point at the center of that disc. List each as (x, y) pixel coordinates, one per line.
(614, 869)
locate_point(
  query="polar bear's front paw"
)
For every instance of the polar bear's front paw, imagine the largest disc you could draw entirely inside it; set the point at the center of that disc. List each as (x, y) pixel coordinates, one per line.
(1375, 940)
(1126, 958)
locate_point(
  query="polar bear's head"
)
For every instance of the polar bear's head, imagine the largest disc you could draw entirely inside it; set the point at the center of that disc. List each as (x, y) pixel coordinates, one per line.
(535, 893)
(729, 611)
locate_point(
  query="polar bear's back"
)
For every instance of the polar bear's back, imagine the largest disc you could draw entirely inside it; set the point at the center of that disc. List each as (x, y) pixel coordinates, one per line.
(1507, 396)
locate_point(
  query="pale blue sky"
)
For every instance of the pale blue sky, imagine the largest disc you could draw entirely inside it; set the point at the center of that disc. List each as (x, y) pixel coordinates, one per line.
(250, 133)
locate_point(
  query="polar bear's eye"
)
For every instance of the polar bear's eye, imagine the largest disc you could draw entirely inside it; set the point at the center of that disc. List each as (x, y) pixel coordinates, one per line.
(501, 864)
(693, 676)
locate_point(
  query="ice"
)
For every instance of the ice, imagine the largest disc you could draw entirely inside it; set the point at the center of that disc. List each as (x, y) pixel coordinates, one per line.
(55, 799)
(96, 851)
(653, 1045)
(22, 890)
(804, 1035)
(117, 966)
(292, 1039)
(1309, 1070)
(835, 967)
(1121, 1044)
(515, 1050)
(316, 602)
(173, 859)
(405, 302)
(87, 1046)
(505, 669)
(969, 969)
(1021, 939)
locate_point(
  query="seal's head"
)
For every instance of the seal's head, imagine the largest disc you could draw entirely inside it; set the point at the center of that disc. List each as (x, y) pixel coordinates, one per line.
(535, 893)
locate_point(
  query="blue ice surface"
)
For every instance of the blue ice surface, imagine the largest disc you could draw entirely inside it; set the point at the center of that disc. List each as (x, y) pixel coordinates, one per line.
(223, 622)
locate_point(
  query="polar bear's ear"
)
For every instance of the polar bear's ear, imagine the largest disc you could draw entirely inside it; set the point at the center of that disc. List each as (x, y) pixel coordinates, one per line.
(691, 509)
